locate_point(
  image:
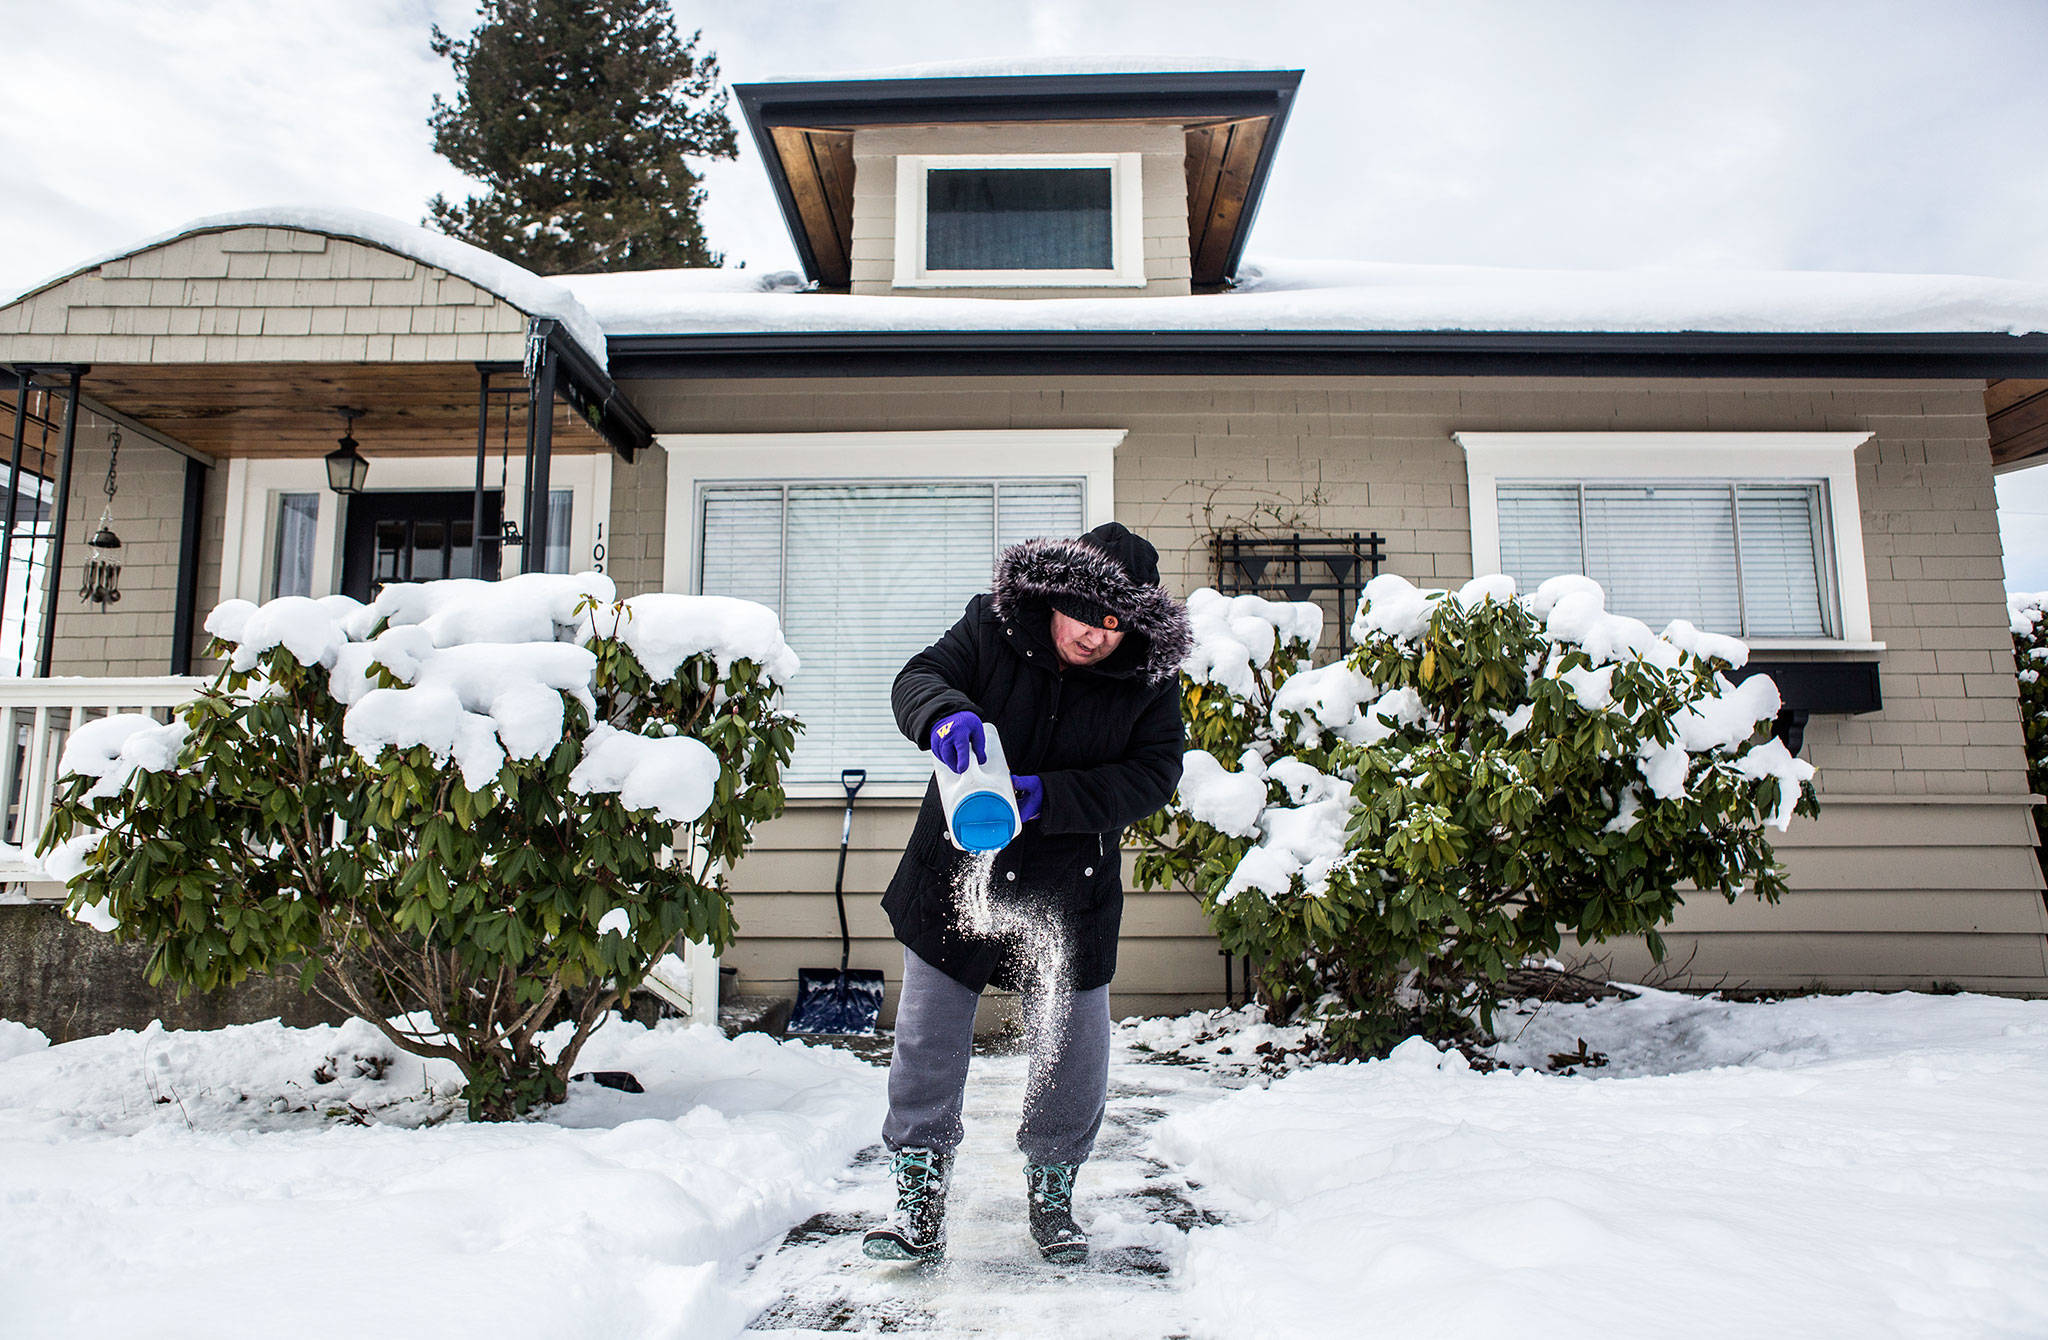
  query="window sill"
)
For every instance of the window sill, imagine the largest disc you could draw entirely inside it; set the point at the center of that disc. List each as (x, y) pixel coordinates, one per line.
(807, 792)
(1812, 644)
(1084, 279)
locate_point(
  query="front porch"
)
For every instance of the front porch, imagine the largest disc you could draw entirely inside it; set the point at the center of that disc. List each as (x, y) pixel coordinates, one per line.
(184, 400)
(230, 360)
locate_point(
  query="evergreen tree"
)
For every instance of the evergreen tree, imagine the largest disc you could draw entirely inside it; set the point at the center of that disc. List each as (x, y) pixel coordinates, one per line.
(581, 116)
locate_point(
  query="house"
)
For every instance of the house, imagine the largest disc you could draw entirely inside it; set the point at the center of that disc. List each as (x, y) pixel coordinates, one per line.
(1025, 309)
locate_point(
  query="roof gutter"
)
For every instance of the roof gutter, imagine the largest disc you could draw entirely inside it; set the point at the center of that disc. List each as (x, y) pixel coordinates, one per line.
(592, 392)
(1970, 355)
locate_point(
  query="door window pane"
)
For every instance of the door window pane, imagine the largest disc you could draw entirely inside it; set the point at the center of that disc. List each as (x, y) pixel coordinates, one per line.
(429, 551)
(1018, 219)
(461, 549)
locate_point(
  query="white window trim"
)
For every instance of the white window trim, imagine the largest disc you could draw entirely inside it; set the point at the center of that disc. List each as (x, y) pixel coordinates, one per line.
(1126, 223)
(699, 459)
(1593, 456)
(249, 536)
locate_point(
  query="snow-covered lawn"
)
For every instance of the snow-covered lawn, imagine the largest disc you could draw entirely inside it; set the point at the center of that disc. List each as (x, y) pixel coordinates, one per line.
(1858, 1166)
(1861, 1166)
(205, 1184)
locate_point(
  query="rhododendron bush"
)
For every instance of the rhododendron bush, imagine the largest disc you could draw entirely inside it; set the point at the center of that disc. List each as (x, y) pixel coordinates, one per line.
(1387, 836)
(462, 812)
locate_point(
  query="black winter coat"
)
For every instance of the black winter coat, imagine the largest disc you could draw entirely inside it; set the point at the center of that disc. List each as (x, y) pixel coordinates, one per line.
(1106, 740)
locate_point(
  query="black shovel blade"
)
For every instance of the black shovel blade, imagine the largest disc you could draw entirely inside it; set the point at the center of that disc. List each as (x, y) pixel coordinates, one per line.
(829, 1001)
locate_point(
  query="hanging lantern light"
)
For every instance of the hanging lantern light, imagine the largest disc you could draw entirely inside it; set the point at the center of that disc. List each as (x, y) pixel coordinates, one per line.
(101, 584)
(346, 468)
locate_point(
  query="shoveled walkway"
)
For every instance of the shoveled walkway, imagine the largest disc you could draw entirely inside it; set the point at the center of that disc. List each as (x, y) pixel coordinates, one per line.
(1137, 1211)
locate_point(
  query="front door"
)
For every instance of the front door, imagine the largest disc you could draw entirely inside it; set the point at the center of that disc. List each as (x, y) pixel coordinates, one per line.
(416, 537)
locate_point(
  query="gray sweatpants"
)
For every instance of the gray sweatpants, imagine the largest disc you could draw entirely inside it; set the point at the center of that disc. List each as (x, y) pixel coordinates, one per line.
(1063, 1096)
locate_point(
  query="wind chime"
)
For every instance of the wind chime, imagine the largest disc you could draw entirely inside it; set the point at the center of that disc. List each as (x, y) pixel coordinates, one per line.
(102, 582)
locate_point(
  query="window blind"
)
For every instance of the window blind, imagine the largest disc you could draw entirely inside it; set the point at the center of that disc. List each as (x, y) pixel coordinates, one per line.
(1664, 552)
(1782, 592)
(1539, 531)
(1018, 219)
(863, 576)
(1731, 557)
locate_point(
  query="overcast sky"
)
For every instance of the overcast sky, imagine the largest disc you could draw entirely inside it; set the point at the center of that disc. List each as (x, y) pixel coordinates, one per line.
(1854, 136)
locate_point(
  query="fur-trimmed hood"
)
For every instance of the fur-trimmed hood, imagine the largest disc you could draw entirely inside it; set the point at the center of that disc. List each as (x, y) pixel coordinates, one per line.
(1030, 574)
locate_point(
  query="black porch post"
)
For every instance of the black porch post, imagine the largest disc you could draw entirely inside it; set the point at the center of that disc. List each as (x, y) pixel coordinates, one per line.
(21, 380)
(476, 509)
(541, 420)
(60, 513)
(187, 609)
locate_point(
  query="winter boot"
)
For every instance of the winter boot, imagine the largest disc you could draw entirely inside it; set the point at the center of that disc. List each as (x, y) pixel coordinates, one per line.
(917, 1231)
(1051, 1187)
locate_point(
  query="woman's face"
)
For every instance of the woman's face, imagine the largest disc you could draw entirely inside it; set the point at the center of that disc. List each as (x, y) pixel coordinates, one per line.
(1082, 643)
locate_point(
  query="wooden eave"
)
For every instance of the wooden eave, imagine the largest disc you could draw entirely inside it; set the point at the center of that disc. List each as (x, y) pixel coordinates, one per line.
(2017, 411)
(278, 410)
(1233, 122)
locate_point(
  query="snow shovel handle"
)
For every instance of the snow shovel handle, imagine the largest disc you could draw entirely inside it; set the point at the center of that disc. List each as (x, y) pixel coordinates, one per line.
(852, 779)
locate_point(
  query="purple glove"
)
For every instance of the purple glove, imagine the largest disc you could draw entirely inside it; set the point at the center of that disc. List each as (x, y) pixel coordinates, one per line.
(952, 735)
(1030, 796)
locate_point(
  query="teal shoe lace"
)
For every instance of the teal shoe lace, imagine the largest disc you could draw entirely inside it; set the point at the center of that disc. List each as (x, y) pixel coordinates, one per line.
(919, 1173)
(1051, 1183)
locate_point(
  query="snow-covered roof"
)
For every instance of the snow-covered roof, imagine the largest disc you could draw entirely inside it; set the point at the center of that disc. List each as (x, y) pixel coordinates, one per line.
(1348, 296)
(999, 67)
(520, 287)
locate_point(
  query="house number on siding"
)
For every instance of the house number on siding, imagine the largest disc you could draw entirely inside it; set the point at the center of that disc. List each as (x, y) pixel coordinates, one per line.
(597, 550)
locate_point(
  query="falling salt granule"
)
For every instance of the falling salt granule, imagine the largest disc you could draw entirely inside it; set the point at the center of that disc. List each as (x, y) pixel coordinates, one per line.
(971, 893)
(1036, 946)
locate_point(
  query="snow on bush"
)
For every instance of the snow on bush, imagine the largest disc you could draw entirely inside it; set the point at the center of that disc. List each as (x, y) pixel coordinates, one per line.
(1386, 836)
(2030, 650)
(459, 800)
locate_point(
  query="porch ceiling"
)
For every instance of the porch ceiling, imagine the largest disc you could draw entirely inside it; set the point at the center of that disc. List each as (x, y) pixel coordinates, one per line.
(288, 409)
(2018, 414)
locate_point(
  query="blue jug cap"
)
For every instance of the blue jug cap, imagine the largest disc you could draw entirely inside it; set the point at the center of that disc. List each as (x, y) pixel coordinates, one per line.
(983, 822)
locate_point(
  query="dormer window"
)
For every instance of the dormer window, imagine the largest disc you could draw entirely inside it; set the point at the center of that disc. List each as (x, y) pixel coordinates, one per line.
(1019, 221)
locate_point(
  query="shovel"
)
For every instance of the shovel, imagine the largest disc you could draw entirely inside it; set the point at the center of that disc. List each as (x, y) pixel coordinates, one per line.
(849, 1001)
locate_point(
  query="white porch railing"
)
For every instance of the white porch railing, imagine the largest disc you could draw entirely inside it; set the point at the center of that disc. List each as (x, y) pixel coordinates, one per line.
(37, 717)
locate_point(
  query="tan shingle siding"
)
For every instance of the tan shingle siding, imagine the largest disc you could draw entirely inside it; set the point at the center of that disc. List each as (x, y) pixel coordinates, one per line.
(635, 537)
(1376, 454)
(261, 294)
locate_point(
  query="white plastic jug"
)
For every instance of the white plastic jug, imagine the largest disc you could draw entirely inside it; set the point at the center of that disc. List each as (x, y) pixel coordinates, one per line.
(981, 807)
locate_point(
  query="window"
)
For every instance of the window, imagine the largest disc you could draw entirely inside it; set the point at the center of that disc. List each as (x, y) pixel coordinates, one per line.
(285, 534)
(1754, 534)
(864, 574)
(1733, 557)
(21, 612)
(561, 509)
(291, 565)
(1019, 220)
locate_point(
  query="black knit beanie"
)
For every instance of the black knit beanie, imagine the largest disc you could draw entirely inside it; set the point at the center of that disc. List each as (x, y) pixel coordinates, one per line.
(1131, 552)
